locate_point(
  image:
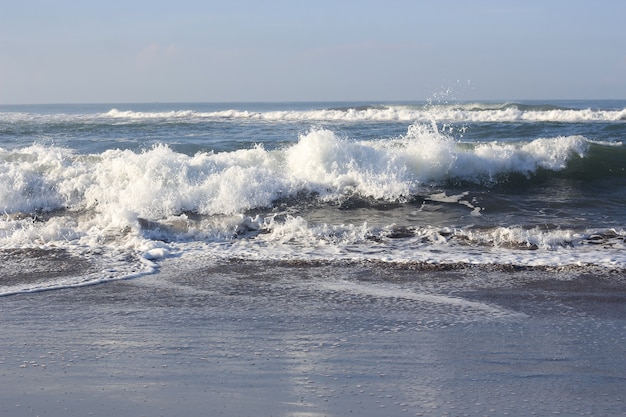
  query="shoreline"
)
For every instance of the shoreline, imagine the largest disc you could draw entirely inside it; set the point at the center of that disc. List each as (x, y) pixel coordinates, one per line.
(255, 339)
(34, 270)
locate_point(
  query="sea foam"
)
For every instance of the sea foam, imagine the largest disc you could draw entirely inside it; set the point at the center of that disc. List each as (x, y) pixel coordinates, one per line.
(128, 199)
(463, 114)
(159, 182)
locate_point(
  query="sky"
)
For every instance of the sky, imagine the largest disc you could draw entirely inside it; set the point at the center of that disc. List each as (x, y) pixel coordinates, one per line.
(65, 51)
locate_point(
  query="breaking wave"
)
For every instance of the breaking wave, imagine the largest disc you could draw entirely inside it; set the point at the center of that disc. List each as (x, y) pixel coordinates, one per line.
(457, 113)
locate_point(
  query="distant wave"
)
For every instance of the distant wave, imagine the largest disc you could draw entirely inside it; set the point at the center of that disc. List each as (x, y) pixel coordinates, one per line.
(472, 113)
(457, 113)
(479, 106)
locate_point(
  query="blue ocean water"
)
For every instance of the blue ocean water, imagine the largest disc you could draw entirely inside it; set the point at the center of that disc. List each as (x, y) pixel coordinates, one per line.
(116, 189)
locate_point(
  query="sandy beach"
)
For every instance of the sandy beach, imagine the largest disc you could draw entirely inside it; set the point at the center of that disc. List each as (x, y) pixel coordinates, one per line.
(253, 339)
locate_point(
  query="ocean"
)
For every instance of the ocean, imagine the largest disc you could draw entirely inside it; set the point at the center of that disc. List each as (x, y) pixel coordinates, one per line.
(95, 193)
(313, 259)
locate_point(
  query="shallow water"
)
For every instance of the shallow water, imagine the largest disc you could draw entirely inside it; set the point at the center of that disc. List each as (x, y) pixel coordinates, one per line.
(247, 338)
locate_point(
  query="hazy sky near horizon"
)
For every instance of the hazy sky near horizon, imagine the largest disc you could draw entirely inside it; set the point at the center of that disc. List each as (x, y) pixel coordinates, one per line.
(69, 51)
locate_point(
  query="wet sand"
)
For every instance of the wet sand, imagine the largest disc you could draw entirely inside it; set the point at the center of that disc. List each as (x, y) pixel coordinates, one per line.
(254, 339)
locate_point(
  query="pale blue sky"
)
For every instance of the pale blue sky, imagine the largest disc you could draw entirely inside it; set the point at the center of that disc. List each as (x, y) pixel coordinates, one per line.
(62, 51)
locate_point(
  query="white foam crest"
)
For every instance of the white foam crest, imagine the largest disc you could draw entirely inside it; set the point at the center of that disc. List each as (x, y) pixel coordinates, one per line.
(489, 159)
(395, 169)
(322, 161)
(525, 238)
(297, 229)
(469, 113)
(392, 113)
(159, 182)
(28, 232)
(108, 196)
(129, 114)
(514, 114)
(29, 178)
(429, 155)
(585, 115)
(386, 113)
(296, 239)
(442, 113)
